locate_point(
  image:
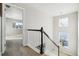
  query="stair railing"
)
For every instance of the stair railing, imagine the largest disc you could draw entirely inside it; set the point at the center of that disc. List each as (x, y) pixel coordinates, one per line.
(43, 32)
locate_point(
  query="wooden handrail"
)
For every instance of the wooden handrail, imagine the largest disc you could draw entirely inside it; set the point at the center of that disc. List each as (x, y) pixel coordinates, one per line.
(34, 30)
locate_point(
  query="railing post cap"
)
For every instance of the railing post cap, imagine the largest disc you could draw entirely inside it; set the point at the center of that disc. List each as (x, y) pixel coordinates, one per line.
(42, 28)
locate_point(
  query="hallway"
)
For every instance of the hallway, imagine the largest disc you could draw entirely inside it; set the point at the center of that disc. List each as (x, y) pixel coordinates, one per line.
(15, 48)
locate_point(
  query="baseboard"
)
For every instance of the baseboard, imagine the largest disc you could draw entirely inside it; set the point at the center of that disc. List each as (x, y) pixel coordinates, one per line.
(34, 48)
(66, 51)
(25, 44)
(49, 54)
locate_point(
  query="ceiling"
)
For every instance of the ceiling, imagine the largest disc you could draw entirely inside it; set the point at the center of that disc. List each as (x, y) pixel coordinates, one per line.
(54, 9)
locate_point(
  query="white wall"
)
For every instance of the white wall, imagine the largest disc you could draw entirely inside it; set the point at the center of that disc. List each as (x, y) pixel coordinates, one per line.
(72, 31)
(13, 12)
(35, 19)
(0, 35)
(78, 32)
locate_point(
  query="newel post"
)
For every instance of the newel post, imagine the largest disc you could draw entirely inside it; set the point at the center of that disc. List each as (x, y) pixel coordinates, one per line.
(41, 47)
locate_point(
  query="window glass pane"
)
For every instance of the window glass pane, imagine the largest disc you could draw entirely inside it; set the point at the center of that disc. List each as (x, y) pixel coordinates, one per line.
(63, 22)
(63, 36)
(18, 24)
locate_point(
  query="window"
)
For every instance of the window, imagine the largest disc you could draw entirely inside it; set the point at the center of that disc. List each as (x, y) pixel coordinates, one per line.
(63, 22)
(18, 24)
(63, 36)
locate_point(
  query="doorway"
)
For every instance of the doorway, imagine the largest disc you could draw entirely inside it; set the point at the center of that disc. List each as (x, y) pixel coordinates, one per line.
(13, 28)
